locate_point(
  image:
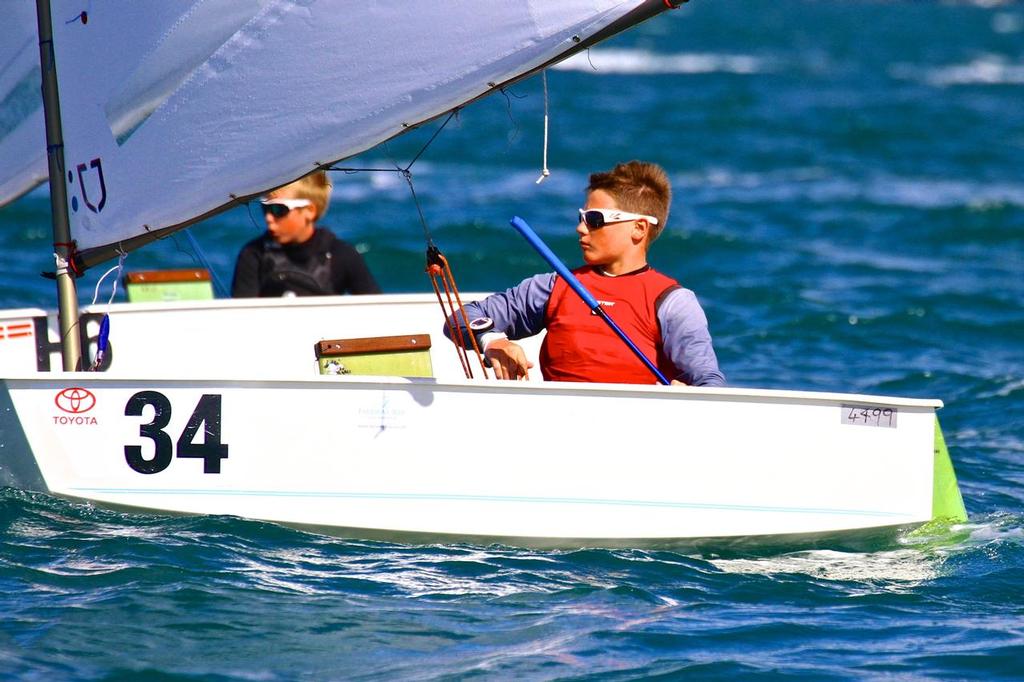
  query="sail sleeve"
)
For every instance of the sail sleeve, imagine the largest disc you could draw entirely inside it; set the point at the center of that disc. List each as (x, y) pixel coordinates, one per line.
(173, 111)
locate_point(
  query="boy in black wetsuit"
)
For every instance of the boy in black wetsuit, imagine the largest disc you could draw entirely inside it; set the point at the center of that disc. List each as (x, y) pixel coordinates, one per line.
(295, 257)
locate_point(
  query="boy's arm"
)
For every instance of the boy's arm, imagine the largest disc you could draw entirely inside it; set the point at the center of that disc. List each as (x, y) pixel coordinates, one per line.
(517, 312)
(686, 340)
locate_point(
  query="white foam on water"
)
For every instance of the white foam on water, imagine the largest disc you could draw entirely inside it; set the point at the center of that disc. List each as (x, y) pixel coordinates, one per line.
(419, 574)
(643, 62)
(1007, 22)
(894, 567)
(1007, 386)
(921, 558)
(819, 185)
(989, 3)
(984, 70)
(827, 251)
(943, 193)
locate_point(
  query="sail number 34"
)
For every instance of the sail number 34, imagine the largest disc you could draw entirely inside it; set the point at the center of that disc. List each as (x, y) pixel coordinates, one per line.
(869, 416)
(206, 416)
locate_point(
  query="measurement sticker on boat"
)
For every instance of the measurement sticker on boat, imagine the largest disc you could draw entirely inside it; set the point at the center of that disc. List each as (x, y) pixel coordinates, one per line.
(862, 415)
(206, 415)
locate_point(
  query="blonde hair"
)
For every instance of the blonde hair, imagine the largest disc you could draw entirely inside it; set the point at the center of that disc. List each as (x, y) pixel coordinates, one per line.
(315, 187)
(638, 187)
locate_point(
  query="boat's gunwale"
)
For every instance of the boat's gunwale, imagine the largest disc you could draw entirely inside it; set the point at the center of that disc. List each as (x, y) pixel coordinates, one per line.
(656, 391)
(125, 307)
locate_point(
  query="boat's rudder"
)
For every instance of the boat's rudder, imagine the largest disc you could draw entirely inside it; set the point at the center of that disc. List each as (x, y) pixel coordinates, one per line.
(947, 503)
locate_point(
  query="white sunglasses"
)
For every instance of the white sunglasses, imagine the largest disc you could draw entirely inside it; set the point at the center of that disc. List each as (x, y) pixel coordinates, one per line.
(279, 208)
(595, 218)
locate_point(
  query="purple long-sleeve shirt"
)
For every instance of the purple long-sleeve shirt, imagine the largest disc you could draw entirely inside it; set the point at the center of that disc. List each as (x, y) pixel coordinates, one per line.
(519, 312)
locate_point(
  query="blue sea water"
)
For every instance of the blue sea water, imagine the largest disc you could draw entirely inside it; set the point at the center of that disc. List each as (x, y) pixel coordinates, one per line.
(849, 208)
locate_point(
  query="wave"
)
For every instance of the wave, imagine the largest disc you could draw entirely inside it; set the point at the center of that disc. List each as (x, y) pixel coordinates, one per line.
(984, 70)
(1007, 22)
(643, 62)
(892, 570)
(79, 582)
(819, 185)
(461, 188)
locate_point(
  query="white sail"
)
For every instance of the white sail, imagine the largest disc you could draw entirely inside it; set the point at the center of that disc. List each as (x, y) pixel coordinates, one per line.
(22, 132)
(174, 110)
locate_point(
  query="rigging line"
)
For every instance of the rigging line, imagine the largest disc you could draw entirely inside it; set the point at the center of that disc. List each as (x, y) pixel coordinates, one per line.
(198, 251)
(407, 174)
(364, 170)
(391, 157)
(397, 168)
(120, 268)
(432, 138)
(454, 331)
(545, 173)
(248, 207)
(508, 110)
(99, 282)
(448, 277)
(439, 269)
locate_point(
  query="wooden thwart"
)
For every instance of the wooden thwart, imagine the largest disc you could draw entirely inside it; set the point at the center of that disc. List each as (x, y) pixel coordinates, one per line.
(146, 286)
(405, 355)
(159, 276)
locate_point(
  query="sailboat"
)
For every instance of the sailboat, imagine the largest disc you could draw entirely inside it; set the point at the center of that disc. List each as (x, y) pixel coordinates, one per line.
(203, 331)
(152, 110)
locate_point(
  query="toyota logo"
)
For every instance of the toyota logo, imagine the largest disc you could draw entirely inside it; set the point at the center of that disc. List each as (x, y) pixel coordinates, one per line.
(75, 400)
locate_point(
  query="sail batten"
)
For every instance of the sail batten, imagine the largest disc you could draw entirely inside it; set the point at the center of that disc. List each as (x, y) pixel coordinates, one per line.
(271, 90)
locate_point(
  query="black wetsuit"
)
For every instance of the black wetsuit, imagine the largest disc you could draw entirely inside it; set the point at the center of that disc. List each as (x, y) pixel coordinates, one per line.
(319, 266)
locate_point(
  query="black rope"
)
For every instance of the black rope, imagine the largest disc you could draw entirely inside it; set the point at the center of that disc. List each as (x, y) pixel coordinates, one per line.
(432, 138)
(407, 174)
(248, 207)
(397, 168)
(419, 209)
(508, 95)
(365, 170)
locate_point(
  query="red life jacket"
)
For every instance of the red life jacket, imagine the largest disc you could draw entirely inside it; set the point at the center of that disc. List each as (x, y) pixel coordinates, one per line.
(580, 346)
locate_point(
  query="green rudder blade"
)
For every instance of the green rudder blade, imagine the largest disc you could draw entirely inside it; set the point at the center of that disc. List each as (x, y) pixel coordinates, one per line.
(947, 503)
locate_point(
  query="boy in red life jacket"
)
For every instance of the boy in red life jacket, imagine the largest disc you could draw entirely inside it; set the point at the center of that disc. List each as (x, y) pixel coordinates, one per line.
(626, 209)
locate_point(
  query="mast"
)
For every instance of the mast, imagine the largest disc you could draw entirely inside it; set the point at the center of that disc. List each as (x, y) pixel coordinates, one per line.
(67, 293)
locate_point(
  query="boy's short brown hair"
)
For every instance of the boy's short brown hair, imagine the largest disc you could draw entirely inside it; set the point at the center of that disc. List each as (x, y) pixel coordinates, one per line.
(315, 187)
(638, 187)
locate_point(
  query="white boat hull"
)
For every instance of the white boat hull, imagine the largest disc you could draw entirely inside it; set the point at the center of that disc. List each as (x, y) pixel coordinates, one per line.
(524, 463)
